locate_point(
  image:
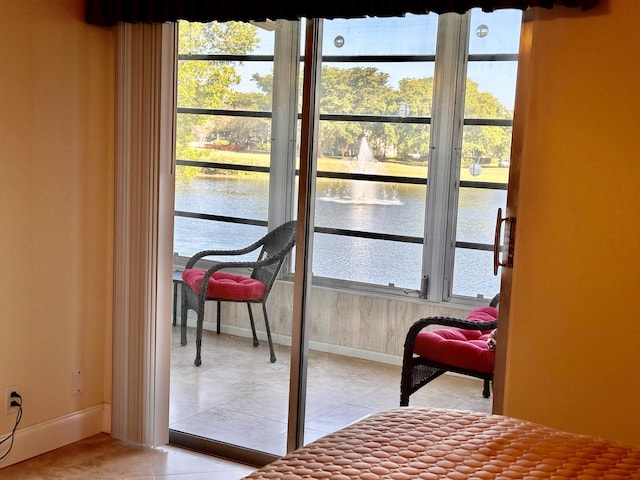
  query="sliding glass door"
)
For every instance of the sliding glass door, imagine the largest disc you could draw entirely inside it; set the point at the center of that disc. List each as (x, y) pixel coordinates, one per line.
(397, 154)
(235, 177)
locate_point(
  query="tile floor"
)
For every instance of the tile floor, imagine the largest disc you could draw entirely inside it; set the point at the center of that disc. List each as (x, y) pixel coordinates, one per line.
(102, 458)
(237, 395)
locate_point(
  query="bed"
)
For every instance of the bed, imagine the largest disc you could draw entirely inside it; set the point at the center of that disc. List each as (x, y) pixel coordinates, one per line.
(428, 444)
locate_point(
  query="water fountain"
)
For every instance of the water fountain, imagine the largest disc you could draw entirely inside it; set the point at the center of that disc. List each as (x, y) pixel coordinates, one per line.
(363, 191)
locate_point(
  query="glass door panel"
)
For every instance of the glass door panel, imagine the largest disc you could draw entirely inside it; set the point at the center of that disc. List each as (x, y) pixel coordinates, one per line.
(237, 400)
(373, 158)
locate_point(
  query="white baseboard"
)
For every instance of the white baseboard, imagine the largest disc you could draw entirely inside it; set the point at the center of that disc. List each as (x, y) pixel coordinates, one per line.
(313, 345)
(35, 440)
(356, 353)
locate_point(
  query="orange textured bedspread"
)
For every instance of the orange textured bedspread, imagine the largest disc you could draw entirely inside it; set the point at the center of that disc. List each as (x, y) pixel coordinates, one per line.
(426, 443)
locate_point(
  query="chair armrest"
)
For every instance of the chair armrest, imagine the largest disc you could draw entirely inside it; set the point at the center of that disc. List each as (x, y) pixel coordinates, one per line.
(287, 229)
(454, 322)
(421, 324)
(218, 253)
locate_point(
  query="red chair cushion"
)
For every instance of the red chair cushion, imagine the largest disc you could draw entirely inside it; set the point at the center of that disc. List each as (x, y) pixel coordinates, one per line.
(483, 314)
(225, 285)
(458, 347)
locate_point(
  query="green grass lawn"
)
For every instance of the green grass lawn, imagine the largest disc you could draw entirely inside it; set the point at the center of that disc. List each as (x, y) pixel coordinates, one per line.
(490, 172)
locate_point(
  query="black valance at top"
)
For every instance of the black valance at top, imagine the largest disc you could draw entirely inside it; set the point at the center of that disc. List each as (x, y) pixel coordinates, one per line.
(110, 12)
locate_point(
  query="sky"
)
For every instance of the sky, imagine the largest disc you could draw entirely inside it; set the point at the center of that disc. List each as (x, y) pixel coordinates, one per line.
(498, 32)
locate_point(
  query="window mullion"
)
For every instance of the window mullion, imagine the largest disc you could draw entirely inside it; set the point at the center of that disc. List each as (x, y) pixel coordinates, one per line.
(284, 123)
(446, 140)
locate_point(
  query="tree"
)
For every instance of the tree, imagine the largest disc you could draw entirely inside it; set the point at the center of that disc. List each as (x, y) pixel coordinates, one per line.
(485, 141)
(417, 95)
(207, 84)
(357, 90)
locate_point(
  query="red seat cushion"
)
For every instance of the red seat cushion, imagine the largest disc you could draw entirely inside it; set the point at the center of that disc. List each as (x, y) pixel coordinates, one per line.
(458, 347)
(225, 285)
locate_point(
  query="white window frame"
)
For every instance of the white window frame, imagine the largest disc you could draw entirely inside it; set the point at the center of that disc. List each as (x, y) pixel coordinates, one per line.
(447, 122)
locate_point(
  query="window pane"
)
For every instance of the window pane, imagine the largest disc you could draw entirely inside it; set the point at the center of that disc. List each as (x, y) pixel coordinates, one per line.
(486, 147)
(245, 84)
(217, 80)
(223, 77)
(193, 235)
(374, 67)
(377, 88)
(370, 206)
(220, 194)
(215, 193)
(355, 81)
(365, 260)
(372, 175)
(227, 38)
(495, 32)
(493, 85)
(374, 148)
(477, 209)
(409, 35)
(473, 274)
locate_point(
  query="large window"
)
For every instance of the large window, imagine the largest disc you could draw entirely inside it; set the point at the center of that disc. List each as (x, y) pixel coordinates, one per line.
(413, 145)
(224, 135)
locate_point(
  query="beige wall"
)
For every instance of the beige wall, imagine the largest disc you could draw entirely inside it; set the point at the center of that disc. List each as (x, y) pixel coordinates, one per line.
(56, 195)
(573, 356)
(362, 325)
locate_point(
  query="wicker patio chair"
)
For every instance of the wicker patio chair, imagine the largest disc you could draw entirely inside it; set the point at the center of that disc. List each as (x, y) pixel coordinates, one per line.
(200, 285)
(461, 348)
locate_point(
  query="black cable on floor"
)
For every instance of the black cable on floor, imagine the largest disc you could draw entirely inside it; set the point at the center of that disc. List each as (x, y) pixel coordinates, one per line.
(15, 402)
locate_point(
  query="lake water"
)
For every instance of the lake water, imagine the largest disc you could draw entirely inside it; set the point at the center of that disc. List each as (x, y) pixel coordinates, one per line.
(384, 208)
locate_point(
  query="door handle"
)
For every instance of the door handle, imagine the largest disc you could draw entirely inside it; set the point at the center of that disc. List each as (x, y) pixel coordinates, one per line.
(496, 242)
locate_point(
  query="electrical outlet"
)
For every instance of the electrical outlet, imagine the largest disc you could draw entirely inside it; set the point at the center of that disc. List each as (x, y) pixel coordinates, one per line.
(77, 382)
(7, 399)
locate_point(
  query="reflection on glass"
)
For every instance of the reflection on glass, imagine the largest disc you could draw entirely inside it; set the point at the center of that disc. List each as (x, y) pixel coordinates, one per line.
(488, 147)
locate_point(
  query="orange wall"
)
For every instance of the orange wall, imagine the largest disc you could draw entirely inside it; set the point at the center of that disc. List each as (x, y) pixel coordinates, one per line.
(56, 193)
(574, 335)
